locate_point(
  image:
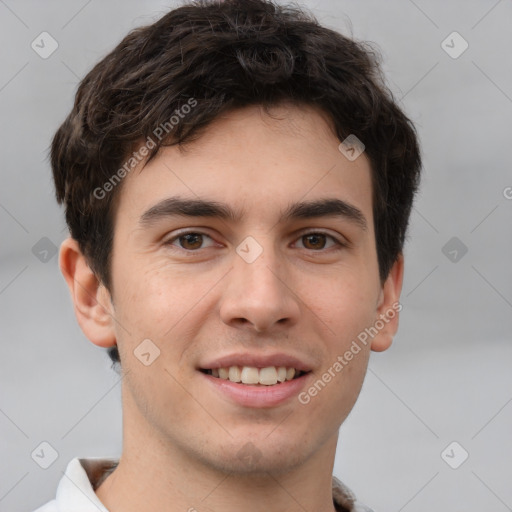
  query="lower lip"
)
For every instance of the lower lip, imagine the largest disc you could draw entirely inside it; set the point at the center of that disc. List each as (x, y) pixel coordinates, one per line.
(258, 396)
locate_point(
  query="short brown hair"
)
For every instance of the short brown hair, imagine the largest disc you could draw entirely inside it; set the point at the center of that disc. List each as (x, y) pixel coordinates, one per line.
(227, 55)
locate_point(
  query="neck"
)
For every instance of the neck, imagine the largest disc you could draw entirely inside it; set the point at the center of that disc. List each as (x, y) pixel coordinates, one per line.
(157, 474)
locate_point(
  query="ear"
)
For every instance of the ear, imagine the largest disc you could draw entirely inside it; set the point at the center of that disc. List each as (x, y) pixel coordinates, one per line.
(91, 300)
(388, 307)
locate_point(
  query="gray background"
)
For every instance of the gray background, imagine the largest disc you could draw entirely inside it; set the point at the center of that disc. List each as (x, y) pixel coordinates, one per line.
(447, 376)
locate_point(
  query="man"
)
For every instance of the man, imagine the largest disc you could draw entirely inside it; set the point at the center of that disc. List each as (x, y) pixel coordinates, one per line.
(238, 182)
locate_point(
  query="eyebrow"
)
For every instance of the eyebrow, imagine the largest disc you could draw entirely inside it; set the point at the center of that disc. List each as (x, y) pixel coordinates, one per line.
(176, 206)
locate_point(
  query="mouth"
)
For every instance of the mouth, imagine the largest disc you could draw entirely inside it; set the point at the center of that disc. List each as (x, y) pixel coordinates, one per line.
(253, 376)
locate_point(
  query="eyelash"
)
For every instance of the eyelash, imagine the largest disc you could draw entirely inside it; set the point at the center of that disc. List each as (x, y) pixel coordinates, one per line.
(340, 245)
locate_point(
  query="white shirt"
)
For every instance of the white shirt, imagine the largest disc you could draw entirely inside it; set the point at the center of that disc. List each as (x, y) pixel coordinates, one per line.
(75, 492)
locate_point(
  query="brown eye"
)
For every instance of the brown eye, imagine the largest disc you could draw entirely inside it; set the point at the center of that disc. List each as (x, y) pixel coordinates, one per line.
(191, 241)
(314, 241)
(317, 241)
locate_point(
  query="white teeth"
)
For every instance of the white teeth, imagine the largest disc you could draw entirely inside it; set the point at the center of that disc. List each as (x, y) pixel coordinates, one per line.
(249, 375)
(235, 374)
(268, 376)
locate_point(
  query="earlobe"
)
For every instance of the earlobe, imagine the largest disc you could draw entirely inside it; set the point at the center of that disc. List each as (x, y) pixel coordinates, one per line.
(388, 307)
(91, 299)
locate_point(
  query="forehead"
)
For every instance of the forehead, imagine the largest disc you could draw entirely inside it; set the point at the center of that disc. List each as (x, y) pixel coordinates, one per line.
(255, 162)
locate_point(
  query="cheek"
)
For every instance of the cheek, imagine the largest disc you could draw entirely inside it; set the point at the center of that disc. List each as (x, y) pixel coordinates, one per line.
(346, 303)
(333, 393)
(348, 383)
(349, 310)
(155, 301)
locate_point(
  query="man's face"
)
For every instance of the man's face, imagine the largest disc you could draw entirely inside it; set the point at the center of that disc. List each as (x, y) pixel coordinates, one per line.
(303, 286)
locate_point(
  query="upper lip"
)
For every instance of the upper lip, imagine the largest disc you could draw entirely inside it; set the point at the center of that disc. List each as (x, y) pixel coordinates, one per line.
(257, 361)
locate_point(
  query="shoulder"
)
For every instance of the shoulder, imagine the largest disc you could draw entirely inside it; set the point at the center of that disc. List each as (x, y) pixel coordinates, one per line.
(344, 499)
(75, 490)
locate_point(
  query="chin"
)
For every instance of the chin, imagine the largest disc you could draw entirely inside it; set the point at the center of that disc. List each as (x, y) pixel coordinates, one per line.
(258, 458)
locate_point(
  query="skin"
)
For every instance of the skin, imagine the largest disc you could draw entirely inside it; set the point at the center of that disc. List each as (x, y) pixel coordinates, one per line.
(307, 297)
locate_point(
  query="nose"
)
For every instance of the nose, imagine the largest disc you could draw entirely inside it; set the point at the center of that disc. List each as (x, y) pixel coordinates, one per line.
(258, 295)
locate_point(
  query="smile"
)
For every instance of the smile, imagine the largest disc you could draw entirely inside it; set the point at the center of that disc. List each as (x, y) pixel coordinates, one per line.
(251, 375)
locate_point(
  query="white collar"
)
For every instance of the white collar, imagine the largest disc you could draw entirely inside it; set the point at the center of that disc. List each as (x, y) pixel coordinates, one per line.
(75, 491)
(76, 487)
